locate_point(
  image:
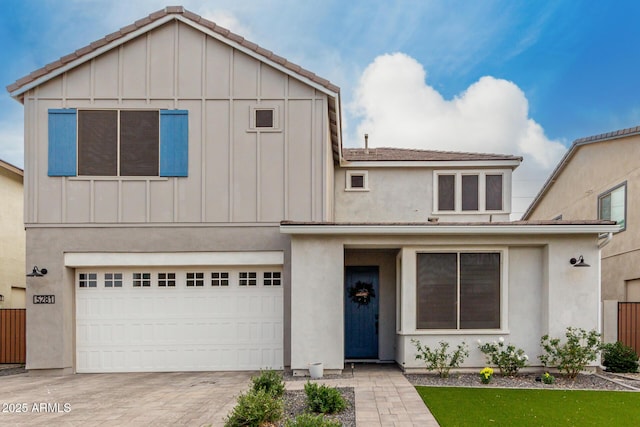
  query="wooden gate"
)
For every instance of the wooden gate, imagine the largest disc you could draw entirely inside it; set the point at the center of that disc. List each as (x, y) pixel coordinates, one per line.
(13, 336)
(629, 324)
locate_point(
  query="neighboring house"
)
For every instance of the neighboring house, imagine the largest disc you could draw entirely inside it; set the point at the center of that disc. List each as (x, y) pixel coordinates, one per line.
(12, 237)
(599, 178)
(190, 197)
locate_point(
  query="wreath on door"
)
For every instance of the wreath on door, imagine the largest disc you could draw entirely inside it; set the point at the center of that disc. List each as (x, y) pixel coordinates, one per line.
(361, 293)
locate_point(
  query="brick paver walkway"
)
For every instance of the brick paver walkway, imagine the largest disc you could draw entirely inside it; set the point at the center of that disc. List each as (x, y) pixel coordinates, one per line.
(384, 397)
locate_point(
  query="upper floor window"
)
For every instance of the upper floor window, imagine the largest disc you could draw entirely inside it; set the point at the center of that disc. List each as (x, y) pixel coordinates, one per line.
(264, 118)
(612, 205)
(357, 181)
(469, 192)
(118, 142)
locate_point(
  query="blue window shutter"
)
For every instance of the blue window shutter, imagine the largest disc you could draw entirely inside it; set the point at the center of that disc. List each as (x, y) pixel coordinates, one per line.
(174, 142)
(62, 142)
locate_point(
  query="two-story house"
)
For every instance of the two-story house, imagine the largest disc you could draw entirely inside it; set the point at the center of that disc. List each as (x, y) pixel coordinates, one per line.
(189, 196)
(12, 237)
(599, 178)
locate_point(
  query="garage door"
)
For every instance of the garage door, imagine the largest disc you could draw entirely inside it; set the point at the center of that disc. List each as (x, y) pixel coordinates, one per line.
(178, 319)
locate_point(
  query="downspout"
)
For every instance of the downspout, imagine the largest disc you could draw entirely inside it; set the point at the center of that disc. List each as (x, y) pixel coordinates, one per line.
(607, 239)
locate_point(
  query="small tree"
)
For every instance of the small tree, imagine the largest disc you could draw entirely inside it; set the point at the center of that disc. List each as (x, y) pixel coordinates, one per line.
(580, 348)
(439, 360)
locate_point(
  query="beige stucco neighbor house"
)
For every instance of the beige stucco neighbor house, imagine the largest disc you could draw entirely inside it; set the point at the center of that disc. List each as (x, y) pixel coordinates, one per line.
(200, 213)
(599, 178)
(12, 237)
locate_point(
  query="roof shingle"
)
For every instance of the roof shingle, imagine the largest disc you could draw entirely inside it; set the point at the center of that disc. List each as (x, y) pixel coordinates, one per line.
(407, 154)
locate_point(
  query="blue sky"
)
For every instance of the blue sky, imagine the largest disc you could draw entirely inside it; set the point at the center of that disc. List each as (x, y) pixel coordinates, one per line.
(504, 76)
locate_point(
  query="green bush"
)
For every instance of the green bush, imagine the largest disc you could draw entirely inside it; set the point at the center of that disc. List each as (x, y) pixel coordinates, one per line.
(580, 348)
(619, 358)
(254, 409)
(439, 360)
(323, 399)
(510, 359)
(269, 381)
(309, 420)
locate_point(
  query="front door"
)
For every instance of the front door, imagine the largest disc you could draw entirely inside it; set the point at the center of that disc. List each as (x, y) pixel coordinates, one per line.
(361, 312)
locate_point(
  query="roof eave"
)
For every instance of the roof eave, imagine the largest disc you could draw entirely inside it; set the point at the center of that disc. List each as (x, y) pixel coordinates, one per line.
(511, 163)
(395, 229)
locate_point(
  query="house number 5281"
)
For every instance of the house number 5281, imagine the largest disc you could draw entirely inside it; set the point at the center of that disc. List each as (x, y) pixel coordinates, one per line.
(44, 299)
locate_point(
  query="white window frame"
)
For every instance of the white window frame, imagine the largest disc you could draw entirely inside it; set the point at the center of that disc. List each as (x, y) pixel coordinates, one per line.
(363, 173)
(482, 192)
(252, 118)
(609, 192)
(504, 292)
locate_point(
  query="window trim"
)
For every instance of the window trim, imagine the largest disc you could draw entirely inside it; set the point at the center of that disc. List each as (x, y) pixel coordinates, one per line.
(504, 291)
(482, 191)
(363, 173)
(608, 192)
(276, 118)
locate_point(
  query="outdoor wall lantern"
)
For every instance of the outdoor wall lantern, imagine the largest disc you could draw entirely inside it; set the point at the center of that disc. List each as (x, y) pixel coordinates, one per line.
(37, 272)
(579, 262)
(1, 297)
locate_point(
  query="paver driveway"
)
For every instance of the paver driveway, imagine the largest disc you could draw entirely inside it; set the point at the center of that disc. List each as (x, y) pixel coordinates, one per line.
(177, 398)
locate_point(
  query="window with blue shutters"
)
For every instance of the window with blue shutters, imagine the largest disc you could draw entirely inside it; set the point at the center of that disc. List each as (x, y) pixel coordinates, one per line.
(118, 143)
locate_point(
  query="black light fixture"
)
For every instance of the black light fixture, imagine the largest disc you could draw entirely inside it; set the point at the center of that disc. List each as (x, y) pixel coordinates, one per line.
(37, 272)
(1, 297)
(578, 262)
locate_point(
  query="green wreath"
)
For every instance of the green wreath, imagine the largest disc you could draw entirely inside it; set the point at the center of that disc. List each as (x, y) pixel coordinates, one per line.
(361, 293)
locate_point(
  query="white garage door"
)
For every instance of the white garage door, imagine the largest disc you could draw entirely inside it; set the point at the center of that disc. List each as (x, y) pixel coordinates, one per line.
(179, 319)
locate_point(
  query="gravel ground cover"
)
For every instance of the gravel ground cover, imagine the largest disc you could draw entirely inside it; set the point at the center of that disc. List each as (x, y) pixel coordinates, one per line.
(295, 403)
(581, 382)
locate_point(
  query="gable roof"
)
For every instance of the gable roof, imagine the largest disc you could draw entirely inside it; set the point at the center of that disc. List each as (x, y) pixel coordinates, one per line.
(8, 166)
(170, 13)
(621, 133)
(385, 154)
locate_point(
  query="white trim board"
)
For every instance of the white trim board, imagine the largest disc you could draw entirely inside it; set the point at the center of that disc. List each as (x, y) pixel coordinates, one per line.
(122, 259)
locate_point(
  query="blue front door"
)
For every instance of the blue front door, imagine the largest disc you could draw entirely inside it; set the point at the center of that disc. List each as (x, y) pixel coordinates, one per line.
(361, 298)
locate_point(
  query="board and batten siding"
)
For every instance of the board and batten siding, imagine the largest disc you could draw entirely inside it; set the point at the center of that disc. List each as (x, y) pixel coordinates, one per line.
(235, 174)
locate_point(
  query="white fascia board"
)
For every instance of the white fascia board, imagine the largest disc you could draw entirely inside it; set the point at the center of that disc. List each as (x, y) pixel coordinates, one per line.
(431, 164)
(89, 56)
(447, 229)
(174, 259)
(257, 56)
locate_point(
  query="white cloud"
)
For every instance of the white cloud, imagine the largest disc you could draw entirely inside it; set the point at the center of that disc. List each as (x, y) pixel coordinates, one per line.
(400, 109)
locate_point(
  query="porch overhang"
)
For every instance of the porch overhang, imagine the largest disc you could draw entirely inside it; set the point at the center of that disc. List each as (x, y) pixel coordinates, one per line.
(451, 228)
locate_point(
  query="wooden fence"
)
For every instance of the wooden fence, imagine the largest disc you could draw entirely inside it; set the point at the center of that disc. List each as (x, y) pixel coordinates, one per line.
(629, 324)
(13, 335)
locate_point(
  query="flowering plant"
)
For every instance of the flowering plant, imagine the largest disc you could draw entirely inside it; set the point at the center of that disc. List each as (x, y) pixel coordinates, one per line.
(547, 378)
(485, 375)
(510, 359)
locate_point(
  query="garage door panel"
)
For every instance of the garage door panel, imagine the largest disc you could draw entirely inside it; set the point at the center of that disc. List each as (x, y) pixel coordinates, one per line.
(179, 328)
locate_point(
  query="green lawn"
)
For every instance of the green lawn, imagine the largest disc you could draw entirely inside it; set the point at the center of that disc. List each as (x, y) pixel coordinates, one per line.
(454, 406)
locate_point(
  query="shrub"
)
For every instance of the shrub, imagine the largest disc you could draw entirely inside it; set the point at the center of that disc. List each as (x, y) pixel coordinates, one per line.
(323, 399)
(439, 360)
(619, 358)
(547, 378)
(571, 357)
(485, 375)
(255, 408)
(309, 420)
(510, 359)
(269, 381)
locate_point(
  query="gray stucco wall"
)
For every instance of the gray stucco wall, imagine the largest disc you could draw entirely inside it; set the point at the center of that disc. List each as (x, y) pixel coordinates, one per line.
(51, 328)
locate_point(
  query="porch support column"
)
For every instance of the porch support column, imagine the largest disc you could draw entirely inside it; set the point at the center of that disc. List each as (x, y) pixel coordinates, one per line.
(317, 303)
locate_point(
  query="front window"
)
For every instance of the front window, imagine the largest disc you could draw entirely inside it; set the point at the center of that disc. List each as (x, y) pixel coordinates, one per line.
(612, 205)
(458, 290)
